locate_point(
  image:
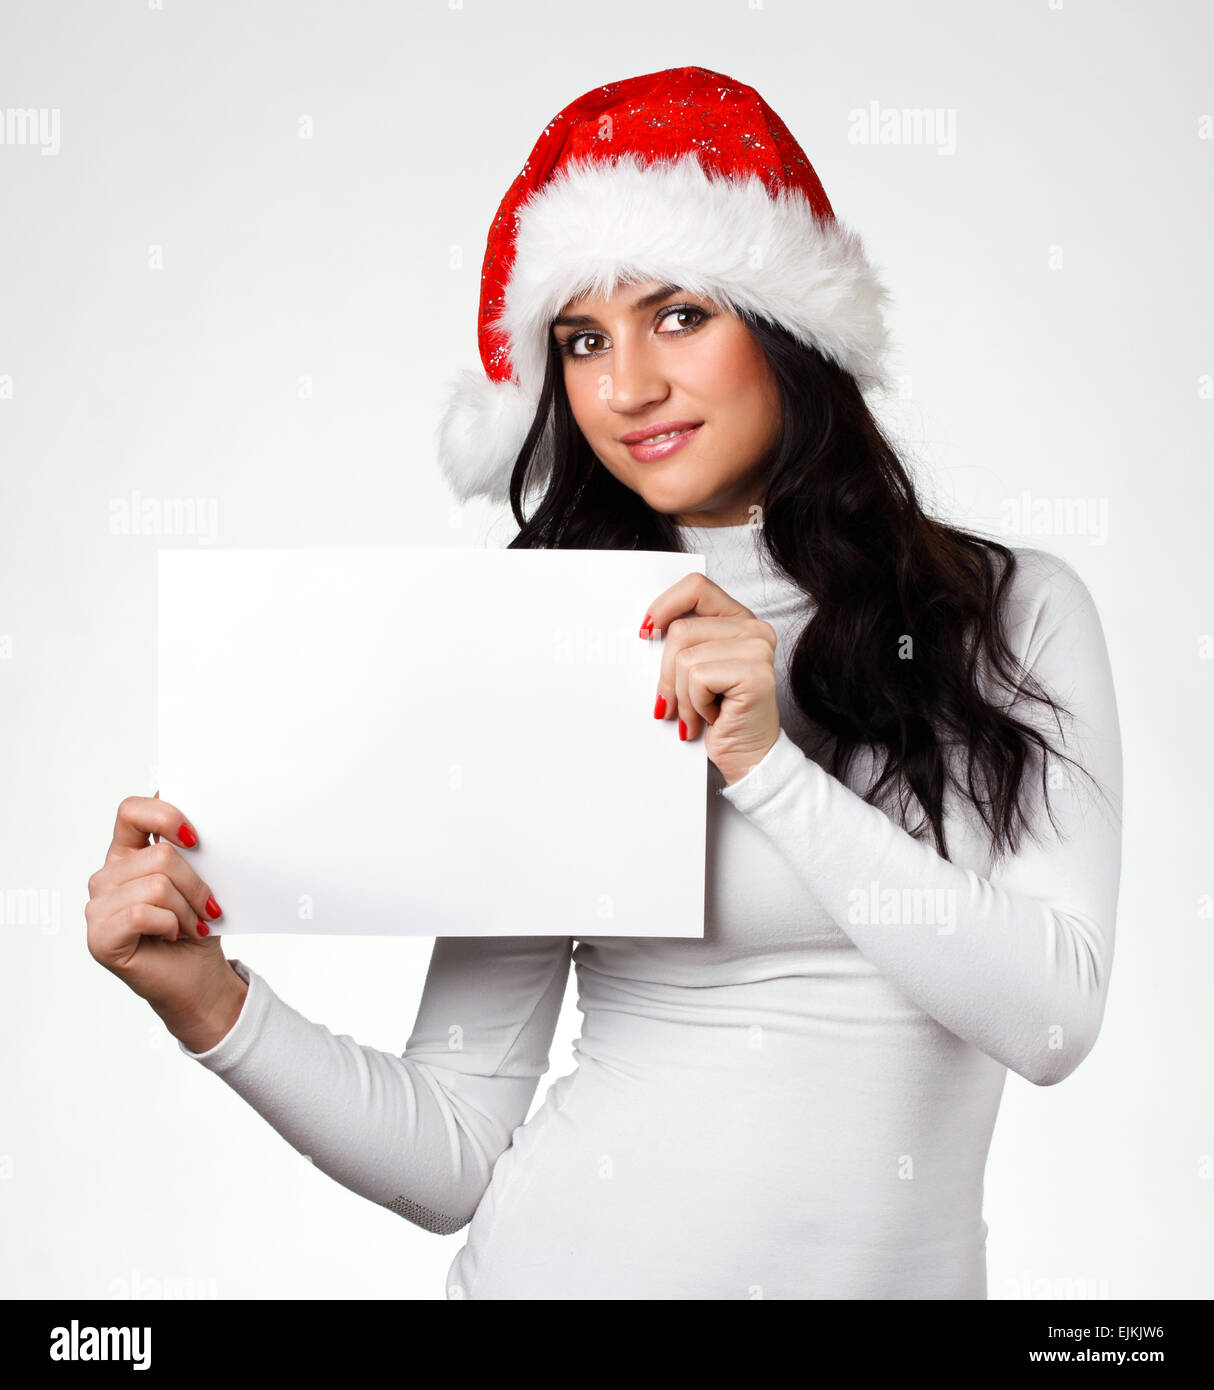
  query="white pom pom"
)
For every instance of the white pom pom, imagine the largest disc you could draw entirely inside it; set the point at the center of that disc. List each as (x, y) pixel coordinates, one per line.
(481, 430)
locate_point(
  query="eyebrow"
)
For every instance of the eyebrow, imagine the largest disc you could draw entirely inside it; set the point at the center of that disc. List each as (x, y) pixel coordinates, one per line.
(645, 302)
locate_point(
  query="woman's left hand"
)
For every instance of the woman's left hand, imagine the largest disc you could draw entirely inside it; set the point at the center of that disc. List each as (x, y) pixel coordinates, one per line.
(718, 667)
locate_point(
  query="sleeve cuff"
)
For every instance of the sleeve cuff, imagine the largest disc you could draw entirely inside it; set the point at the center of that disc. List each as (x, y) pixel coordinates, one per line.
(237, 1040)
(782, 762)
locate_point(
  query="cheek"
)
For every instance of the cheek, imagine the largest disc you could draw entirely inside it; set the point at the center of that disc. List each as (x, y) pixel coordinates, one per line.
(762, 389)
(726, 361)
(740, 386)
(581, 387)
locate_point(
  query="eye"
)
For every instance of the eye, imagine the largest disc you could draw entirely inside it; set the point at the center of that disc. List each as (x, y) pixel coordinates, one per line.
(699, 316)
(570, 347)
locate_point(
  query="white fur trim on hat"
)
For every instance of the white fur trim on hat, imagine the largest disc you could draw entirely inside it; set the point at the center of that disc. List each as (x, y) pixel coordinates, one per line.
(598, 224)
(480, 433)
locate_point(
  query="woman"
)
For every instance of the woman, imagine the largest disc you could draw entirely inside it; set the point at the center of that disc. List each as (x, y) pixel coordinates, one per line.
(914, 781)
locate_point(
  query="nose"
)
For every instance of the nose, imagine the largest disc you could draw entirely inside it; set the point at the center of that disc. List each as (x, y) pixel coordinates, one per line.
(635, 379)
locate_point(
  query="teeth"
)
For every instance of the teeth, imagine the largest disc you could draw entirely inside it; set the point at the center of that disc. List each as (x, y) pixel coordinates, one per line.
(657, 438)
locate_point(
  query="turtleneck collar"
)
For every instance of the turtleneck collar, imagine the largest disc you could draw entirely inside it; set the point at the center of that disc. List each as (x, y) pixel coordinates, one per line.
(728, 547)
(736, 558)
(721, 530)
(720, 537)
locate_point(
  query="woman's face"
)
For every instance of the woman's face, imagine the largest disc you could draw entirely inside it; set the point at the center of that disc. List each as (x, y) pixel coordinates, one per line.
(654, 355)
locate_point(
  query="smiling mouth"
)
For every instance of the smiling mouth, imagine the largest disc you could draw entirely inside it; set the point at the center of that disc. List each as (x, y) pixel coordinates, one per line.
(659, 446)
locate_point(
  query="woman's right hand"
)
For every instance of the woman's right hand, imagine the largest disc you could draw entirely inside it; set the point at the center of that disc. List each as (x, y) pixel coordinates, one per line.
(147, 914)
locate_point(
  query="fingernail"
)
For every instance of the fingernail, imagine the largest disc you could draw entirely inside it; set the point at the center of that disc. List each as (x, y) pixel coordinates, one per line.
(178, 936)
(682, 730)
(203, 929)
(647, 626)
(213, 908)
(187, 836)
(659, 710)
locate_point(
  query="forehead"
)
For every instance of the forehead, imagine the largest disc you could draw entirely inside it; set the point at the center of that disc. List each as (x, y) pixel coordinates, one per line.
(625, 293)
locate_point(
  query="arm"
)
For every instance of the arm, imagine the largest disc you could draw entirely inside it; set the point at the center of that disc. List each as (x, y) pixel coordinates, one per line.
(418, 1133)
(1018, 962)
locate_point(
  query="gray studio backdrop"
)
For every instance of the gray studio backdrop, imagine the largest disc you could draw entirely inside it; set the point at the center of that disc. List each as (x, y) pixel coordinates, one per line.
(239, 257)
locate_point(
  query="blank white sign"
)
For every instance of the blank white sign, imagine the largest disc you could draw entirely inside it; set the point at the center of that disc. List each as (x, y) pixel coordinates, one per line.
(429, 742)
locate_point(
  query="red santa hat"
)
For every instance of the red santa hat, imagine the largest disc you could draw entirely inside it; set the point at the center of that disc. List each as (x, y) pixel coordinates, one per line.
(685, 176)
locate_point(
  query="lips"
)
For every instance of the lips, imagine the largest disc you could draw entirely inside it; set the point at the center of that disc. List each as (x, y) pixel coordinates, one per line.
(657, 438)
(649, 432)
(657, 443)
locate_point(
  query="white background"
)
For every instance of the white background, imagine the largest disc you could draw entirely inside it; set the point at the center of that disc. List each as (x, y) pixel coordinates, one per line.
(1052, 285)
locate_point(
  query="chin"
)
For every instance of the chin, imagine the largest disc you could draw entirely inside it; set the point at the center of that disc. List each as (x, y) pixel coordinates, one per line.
(681, 503)
(672, 489)
(669, 505)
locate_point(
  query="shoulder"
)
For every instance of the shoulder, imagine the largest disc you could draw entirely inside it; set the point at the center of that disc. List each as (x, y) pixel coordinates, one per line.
(1044, 594)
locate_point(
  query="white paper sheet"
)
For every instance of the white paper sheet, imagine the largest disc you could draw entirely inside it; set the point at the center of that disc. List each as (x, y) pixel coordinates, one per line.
(429, 742)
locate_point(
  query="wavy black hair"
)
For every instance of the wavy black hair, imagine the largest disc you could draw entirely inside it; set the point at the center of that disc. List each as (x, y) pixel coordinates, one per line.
(842, 520)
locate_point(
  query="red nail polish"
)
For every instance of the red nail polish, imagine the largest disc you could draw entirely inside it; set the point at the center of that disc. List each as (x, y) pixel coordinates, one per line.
(203, 929)
(647, 626)
(659, 710)
(213, 907)
(187, 836)
(682, 730)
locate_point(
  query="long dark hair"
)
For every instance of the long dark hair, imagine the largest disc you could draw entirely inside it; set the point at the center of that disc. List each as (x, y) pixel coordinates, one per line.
(841, 519)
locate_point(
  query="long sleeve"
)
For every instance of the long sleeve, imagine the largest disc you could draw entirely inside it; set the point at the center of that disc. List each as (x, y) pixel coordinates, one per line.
(1017, 962)
(418, 1133)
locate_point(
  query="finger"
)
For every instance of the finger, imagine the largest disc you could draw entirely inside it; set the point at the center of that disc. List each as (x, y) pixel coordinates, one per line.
(679, 636)
(140, 816)
(112, 939)
(164, 860)
(693, 594)
(711, 672)
(158, 890)
(161, 857)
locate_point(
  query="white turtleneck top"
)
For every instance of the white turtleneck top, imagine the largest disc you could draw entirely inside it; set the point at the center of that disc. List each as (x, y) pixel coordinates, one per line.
(800, 1104)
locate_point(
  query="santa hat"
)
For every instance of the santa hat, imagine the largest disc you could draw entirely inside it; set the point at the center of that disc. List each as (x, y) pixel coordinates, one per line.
(684, 176)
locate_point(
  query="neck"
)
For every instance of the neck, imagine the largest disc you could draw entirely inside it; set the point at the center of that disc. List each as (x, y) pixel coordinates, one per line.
(723, 511)
(739, 546)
